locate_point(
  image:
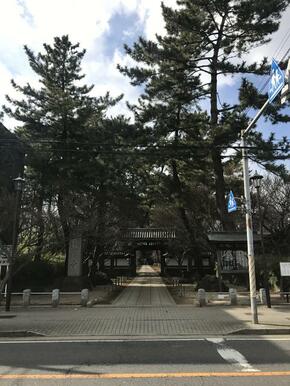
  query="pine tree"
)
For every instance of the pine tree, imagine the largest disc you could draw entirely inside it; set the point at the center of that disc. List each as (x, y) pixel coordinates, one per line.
(167, 121)
(54, 119)
(209, 38)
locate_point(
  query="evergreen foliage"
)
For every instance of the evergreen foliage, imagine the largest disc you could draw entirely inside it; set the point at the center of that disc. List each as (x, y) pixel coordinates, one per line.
(97, 174)
(204, 41)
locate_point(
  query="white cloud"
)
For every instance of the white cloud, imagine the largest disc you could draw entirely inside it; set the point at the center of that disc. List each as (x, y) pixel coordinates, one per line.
(150, 11)
(34, 22)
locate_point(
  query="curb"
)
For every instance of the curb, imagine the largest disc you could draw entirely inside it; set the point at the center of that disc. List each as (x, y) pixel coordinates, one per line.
(262, 331)
(19, 334)
(7, 316)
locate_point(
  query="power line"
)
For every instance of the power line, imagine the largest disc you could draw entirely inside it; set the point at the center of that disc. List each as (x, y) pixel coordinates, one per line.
(282, 44)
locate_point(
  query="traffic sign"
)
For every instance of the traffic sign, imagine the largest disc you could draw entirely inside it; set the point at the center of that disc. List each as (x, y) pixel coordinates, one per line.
(276, 82)
(232, 205)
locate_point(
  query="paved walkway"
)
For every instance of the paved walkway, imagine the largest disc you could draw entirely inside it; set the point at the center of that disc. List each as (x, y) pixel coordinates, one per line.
(144, 309)
(147, 289)
(141, 321)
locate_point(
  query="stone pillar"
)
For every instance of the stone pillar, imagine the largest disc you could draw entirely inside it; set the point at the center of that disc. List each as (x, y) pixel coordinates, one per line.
(55, 298)
(26, 297)
(263, 296)
(75, 257)
(84, 297)
(233, 296)
(201, 297)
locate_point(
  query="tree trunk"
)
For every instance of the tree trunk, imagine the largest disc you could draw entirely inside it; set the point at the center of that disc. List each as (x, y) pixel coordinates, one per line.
(227, 223)
(101, 224)
(186, 222)
(40, 224)
(178, 191)
(65, 227)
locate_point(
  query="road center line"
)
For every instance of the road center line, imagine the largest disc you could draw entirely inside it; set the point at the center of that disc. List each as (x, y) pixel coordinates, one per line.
(146, 375)
(231, 355)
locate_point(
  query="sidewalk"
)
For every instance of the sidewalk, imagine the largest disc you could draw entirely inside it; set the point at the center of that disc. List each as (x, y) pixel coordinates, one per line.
(143, 321)
(144, 309)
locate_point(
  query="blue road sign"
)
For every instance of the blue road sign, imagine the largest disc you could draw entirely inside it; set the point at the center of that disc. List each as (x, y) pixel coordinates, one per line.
(232, 205)
(276, 82)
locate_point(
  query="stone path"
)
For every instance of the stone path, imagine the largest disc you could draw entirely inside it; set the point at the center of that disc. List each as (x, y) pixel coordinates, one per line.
(147, 289)
(113, 321)
(144, 309)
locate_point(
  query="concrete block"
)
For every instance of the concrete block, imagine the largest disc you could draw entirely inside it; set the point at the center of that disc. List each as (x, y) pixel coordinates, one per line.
(55, 298)
(263, 296)
(233, 296)
(92, 302)
(84, 297)
(26, 297)
(201, 297)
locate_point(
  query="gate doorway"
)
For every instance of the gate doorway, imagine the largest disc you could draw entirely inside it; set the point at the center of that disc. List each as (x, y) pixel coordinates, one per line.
(148, 246)
(150, 257)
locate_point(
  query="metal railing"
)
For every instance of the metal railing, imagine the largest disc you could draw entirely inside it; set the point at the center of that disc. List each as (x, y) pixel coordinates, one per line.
(148, 234)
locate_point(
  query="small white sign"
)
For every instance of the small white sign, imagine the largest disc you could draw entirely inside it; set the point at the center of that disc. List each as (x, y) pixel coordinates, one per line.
(285, 269)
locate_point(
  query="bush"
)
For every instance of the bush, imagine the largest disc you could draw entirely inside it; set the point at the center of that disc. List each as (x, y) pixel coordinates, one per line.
(211, 283)
(36, 275)
(99, 278)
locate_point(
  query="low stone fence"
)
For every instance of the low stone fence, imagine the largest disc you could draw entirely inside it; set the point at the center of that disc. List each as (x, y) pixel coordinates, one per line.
(231, 297)
(202, 297)
(285, 295)
(55, 296)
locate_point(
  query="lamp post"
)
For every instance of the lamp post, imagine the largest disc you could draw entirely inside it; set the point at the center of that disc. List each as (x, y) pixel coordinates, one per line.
(256, 180)
(18, 187)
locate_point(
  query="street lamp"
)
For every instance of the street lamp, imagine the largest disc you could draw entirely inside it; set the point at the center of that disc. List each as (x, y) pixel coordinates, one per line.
(256, 180)
(18, 187)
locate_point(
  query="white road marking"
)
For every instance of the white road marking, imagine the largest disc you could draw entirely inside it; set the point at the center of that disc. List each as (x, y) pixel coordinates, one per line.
(231, 355)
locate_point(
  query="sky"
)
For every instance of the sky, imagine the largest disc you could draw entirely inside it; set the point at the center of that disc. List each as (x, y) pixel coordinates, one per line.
(101, 27)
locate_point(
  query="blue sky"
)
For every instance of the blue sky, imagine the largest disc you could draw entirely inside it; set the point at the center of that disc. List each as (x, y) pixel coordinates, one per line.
(102, 27)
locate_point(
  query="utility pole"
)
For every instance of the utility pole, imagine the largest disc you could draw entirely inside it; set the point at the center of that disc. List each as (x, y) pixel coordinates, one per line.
(250, 238)
(277, 82)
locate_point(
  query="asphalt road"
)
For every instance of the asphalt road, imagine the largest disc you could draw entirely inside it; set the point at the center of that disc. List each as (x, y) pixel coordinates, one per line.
(203, 361)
